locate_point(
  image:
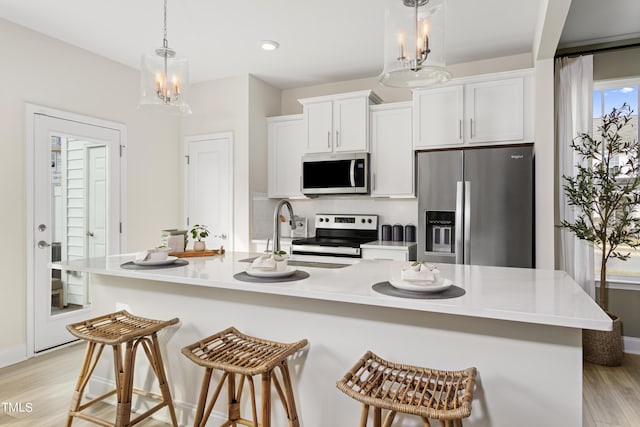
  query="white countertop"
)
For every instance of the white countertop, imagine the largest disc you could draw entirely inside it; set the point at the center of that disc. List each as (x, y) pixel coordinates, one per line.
(543, 297)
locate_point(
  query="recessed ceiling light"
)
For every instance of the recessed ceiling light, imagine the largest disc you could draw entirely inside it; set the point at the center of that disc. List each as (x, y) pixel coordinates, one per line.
(269, 45)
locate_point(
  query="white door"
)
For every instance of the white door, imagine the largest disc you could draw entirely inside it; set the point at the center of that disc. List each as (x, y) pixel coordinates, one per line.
(75, 194)
(209, 187)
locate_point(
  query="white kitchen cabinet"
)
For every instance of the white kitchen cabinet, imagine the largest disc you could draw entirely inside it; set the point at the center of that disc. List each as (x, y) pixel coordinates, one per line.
(392, 158)
(495, 110)
(338, 122)
(488, 109)
(285, 148)
(439, 116)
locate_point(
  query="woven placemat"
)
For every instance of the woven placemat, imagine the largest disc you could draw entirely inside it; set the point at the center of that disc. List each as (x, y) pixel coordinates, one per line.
(298, 275)
(385, 288)
(131, 266)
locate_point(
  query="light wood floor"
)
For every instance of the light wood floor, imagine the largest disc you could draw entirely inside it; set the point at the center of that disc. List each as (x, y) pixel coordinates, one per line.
(611, 396)
(47, 382)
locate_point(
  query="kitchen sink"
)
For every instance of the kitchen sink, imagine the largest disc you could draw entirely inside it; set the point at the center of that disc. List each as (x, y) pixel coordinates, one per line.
(303, 263)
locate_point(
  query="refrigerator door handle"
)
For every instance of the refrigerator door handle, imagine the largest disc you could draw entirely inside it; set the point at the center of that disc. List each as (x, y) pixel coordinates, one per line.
(467, 222)
(458, 227)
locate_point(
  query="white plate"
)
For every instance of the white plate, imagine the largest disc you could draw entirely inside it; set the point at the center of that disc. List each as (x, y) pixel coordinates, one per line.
(438, 286)
(169, 260)
(270, 273)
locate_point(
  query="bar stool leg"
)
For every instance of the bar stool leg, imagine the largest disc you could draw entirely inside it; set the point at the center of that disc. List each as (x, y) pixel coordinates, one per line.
(252, 392)
(287, 399)
(233, 406)
(377, 417)
(388, 420)
(426, 422)
(88, 365)
(266, 399)
(156, 355)
(123, 364)
(364, 415)
(202, 399)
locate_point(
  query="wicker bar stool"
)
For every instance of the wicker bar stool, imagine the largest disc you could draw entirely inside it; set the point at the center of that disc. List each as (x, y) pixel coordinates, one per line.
(428, 393)
(235, 353)
(125, 333)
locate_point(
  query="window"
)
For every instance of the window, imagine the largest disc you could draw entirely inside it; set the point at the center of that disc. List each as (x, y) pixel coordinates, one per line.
(606, 96)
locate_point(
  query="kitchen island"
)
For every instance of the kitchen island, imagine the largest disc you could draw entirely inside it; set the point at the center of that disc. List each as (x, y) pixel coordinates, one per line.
(520, 327)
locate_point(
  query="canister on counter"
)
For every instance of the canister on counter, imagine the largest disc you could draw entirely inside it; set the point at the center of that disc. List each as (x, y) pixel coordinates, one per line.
(386, 232)
(398, 233)
(409, 233)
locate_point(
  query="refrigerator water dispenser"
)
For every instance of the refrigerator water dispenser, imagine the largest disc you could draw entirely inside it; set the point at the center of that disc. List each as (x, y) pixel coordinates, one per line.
(440, 231)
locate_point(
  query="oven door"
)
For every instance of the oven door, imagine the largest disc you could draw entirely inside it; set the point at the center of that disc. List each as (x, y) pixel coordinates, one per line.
(335, 174)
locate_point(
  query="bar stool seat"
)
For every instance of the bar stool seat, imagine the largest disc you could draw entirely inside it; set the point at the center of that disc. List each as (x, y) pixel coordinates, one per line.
(235, 353)
(119, 330)
(427, 393)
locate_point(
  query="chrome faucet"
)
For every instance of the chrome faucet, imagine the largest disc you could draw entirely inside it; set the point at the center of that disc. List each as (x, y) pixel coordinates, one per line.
(276, 223)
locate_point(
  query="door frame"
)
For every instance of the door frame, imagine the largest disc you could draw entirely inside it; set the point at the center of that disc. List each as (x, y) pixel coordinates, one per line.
(228, 135)
(30, 111)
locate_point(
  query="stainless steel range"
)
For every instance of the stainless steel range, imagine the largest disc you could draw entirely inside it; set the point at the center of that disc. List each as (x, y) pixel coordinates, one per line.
(338, 235)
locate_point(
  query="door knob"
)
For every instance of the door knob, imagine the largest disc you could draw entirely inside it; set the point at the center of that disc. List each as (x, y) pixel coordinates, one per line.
(89, 233)
(42, 227)
(42, 244)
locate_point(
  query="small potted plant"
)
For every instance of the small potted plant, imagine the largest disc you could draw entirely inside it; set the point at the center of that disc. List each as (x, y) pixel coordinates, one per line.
(199, 232)
(281, 259)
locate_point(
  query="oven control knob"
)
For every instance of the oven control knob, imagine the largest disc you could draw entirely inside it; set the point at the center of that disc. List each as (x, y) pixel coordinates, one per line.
(321, 220)
(326, 220)
(363, 220)
(369, 221)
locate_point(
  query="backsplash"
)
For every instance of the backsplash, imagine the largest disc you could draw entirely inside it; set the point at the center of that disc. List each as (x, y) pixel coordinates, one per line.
(389, 211)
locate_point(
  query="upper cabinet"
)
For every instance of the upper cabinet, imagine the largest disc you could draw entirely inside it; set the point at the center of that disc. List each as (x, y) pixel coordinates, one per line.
(392, 158)
(338, 122)
(481, 110)
(285, 137)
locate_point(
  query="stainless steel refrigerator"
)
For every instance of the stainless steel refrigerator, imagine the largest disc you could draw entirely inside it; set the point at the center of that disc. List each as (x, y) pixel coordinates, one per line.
(476, 206)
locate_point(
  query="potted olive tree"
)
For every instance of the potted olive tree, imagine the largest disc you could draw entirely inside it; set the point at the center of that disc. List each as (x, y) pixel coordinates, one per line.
(606, 192)
(199, 232)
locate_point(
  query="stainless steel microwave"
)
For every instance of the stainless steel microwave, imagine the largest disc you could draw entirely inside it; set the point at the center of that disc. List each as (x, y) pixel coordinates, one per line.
(335, 173)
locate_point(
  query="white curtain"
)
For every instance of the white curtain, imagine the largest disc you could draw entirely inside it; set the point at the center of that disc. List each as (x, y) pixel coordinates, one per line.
(573, 109)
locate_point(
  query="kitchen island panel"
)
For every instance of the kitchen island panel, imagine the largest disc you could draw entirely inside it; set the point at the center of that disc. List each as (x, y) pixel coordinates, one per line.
(529, 374)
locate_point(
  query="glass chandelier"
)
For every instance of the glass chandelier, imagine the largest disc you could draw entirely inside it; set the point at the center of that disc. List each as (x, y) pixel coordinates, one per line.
(164, 78)
(414, 44)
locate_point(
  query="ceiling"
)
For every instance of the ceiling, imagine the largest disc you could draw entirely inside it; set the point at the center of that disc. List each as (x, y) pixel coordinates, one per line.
(320, 41)
(597, 21)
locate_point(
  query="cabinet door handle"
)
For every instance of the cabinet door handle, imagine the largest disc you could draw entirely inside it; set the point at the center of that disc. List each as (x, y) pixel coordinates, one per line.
(329, 139)
(471, 127)
(337, 138)
(460, 129)
(373, 182)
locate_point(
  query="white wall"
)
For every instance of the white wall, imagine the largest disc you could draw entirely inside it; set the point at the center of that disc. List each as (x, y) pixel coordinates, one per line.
(241, 105)
(220, 106)
(290, 104)
(41, 70)
(546, 188)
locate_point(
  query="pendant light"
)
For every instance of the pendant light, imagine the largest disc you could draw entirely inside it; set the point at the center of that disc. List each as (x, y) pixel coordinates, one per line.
(414, 44)
(164, 78)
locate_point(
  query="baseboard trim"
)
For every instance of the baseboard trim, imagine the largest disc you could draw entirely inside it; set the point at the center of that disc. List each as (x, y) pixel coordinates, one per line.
(12, 355)
(631, 345)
